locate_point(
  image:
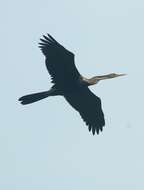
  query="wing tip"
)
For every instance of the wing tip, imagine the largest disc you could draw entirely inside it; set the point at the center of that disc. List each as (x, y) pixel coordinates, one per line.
(95, 129)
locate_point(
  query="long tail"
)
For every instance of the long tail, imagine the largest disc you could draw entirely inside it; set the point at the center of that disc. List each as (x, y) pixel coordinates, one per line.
(28, 99)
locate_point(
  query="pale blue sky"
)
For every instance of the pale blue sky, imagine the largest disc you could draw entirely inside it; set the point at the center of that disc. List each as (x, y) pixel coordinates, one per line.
(46, 145)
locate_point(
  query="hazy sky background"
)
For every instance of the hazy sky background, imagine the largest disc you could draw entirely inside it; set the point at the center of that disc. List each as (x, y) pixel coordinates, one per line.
(46, 145)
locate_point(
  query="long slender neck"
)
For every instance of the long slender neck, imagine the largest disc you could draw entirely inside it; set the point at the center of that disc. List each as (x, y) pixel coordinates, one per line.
(96, 79)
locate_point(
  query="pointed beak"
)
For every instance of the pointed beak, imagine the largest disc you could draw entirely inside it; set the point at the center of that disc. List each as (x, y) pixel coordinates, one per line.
(119, 75)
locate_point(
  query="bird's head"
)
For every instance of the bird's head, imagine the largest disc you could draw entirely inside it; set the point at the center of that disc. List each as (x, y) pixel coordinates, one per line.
(113, 75)
(109, 76)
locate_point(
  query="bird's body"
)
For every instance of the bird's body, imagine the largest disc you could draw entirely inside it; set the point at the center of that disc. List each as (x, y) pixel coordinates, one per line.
(70, 84)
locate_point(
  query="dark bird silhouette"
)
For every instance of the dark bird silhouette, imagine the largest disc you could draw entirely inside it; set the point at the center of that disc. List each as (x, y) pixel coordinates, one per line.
(69, 83)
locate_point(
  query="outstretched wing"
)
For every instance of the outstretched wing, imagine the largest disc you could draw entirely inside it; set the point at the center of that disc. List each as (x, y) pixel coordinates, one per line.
(59, 62)
(89, 107)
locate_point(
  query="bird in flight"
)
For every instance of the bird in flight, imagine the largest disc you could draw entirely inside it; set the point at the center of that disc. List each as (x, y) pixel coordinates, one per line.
(69, 83)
